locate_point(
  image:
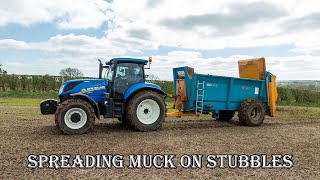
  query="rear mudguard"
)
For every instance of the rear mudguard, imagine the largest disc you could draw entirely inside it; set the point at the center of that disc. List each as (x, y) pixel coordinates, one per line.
(140, 86)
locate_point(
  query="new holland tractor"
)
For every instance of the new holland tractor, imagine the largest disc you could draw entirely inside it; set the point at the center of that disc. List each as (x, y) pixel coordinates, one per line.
(122, 94)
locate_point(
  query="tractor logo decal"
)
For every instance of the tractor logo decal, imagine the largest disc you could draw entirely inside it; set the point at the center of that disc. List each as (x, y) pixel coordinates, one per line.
(91, 89)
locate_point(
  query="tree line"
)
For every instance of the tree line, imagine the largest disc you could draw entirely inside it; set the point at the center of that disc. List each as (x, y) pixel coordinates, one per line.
(47, 83)
(43, 83)
(298, 96)
(31, 83)
(36, 83)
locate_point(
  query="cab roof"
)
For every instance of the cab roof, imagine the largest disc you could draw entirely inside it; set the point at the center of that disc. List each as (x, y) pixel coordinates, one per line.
(129, 60)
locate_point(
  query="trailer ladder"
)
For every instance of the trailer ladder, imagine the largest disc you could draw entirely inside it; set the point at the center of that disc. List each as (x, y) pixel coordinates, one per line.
(200, 96)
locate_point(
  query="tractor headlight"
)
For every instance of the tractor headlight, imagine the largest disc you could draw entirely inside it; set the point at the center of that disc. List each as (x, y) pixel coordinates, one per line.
(61, 89)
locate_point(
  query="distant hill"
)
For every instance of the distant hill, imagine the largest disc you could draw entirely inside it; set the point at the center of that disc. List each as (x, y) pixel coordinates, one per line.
(300, 84)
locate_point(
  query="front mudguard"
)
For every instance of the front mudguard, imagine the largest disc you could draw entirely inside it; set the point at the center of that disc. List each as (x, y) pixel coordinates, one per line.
(48, 106)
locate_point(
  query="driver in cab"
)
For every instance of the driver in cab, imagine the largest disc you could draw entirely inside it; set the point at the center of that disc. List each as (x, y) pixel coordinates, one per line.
(127, 75)
(130, 75)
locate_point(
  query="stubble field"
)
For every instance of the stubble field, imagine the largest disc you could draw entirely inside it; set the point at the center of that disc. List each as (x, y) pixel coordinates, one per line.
(24, 131)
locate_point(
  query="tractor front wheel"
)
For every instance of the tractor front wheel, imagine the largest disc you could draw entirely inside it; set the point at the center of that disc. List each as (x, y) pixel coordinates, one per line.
(75, 116)
(145, 111)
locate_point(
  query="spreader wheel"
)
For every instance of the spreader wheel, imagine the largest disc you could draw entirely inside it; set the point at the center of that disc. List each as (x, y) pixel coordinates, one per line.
(225, 115)
(251, 112)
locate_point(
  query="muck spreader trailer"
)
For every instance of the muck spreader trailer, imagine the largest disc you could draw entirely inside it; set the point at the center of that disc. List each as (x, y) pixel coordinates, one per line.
(124, 94)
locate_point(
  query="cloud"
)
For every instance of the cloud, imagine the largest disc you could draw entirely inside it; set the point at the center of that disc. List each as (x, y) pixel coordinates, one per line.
(285, 68)
(237, 17)
(75, 46)
(81, 45)
(70, 14)
(212, 25)
(69, 46)
(140, 27)
(13, 44)
(52, 66)
(154, 4)
(304, 23)
(205, 25)
(140, 33)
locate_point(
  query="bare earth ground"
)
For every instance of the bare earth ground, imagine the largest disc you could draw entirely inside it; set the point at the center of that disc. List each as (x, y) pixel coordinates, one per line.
(23, 131)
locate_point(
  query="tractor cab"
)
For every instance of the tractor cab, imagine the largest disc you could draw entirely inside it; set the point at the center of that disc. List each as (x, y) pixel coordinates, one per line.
(122, 73)
(124, 77)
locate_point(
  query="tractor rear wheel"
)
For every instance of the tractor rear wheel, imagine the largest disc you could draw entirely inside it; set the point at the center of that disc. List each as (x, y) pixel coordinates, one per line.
(225, 115)
(75, 116)
(123, 120)
(251, 112)
(145, 111)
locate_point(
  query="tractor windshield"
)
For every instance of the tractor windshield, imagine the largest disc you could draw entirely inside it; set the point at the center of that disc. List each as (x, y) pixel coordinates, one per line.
(132, 73)
(127, 74)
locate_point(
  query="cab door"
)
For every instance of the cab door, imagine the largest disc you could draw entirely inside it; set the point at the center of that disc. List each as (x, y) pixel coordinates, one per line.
(110, 79)
(126, 75)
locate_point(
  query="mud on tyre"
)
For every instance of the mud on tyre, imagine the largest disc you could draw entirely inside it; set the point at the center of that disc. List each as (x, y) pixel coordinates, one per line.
(75, 116)
(145, 111)
(251, 112)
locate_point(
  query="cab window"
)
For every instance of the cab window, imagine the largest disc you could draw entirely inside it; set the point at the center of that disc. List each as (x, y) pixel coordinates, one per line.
(126, 75)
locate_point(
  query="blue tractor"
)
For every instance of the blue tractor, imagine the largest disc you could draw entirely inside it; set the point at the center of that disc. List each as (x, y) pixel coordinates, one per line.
(123, 94)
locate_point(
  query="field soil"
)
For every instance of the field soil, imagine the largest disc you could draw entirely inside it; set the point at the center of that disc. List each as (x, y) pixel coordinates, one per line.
(23, 131)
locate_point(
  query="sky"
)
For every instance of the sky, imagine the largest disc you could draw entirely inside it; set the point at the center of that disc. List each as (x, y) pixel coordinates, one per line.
(43, 37)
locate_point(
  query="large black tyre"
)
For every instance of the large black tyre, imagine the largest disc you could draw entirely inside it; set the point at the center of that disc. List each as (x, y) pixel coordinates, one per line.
(251, 112)
(225, 115)
(123, 120)
(145, 111)
(75, 116)
(56, 117)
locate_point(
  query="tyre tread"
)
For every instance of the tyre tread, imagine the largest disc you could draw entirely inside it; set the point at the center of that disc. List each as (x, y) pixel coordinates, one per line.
(243, 114)
(130, 112)
(64, 105)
